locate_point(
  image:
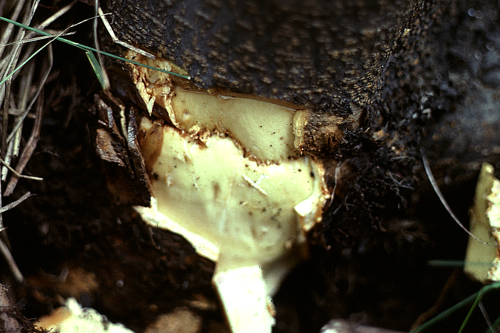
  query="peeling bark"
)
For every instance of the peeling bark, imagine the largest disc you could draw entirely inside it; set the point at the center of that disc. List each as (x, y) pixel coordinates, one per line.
(328, 56)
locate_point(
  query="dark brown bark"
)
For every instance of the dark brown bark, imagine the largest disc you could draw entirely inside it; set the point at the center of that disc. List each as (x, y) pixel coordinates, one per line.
(379, 63)
(443, 72)
(325, 55)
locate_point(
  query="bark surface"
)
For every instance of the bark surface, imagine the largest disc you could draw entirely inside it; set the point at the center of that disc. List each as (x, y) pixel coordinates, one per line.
(325, 55)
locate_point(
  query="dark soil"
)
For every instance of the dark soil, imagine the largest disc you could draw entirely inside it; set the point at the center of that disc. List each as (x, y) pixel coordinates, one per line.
(372, 268)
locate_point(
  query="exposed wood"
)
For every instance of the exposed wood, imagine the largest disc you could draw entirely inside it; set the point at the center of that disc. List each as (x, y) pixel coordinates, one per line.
(325, 55)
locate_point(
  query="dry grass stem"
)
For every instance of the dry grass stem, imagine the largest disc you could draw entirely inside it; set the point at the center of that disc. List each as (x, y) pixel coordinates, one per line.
(486, 316)
(28, 150)
(35, 97)
(17, 48)
(119, 42)
(9, 29)
(13, 57)
(24, 106)
(55, 16)
(19, 175)
(40, 38)
(428, 171)
(104, 75)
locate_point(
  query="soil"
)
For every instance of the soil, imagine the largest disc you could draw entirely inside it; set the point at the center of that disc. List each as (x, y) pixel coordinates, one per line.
(75, 237)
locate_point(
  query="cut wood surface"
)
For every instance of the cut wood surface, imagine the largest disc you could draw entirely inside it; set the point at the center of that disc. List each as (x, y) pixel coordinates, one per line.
(363, 88)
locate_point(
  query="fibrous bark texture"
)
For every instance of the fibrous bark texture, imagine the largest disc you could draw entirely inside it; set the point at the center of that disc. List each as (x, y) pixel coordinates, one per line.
(325, 55)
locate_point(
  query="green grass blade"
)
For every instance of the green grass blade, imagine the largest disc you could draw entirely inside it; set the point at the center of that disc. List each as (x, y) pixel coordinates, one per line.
(24, 62)
(88, 48)
(472, 308)
(96, 67)
(455, 263)
(444, 314)
(476, 296)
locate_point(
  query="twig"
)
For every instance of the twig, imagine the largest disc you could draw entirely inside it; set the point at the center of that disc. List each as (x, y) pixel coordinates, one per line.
(10, 261)
(15, 203)
(18, 174)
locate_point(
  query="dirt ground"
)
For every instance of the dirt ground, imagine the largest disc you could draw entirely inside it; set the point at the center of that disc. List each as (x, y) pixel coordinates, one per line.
(74, 237)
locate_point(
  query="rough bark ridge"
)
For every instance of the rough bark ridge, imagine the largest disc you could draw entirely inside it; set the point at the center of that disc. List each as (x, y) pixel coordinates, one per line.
(326, 55)
(324, 52)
